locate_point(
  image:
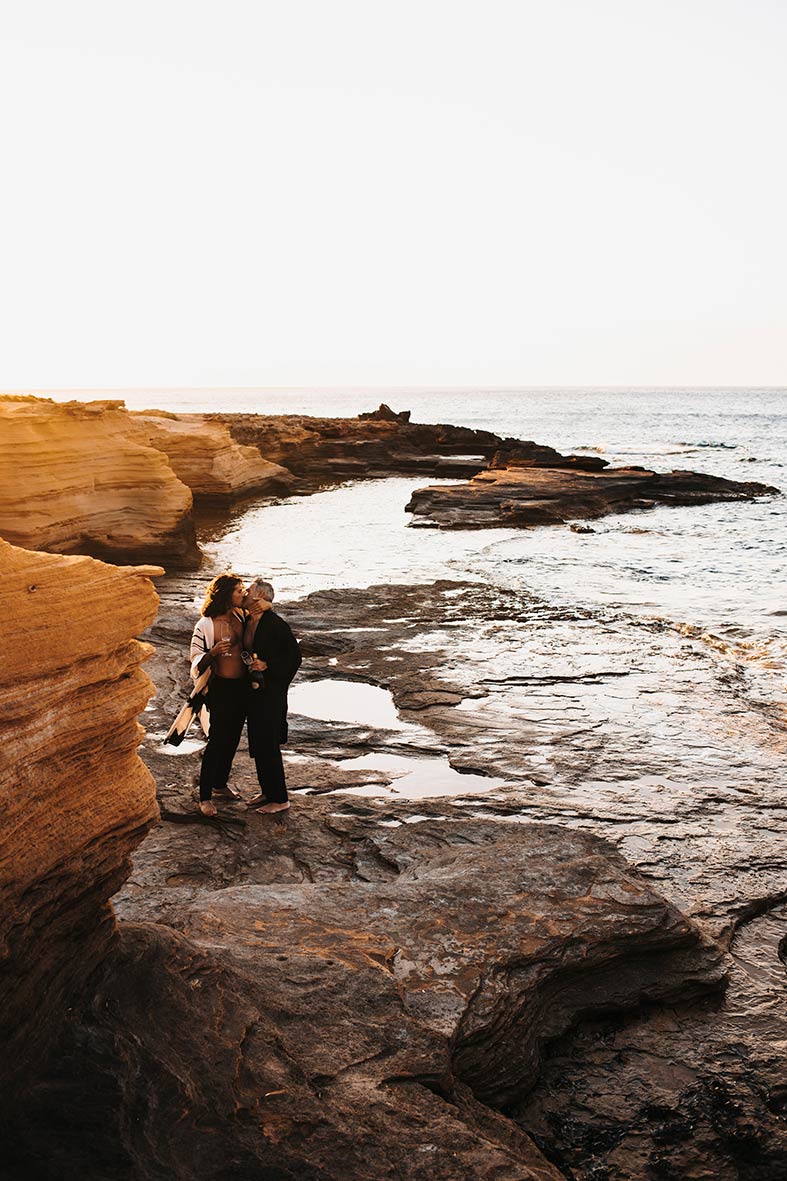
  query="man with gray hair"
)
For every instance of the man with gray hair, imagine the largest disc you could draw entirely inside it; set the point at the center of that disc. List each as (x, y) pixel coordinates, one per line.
(275, 659)
(259, 588)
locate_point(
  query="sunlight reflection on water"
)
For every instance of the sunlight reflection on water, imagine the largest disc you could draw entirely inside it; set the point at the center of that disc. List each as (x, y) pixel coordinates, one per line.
(720, 567)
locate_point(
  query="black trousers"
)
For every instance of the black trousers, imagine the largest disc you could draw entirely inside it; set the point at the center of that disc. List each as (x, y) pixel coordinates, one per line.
(227, 702)
(267, 712)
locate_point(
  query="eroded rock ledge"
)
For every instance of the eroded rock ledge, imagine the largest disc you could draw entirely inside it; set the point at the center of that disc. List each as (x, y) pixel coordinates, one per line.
(209, 461)
(76, 798)
(354, 1000)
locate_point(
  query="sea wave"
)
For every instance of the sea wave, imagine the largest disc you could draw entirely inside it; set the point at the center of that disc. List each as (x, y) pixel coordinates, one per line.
(768, 653)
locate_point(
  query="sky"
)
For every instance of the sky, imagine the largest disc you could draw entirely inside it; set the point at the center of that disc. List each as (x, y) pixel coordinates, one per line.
(358, 193)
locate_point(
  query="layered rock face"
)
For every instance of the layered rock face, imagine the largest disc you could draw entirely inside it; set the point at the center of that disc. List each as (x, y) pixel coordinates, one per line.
(209, 461)
(76, 797)
(80, 478)
(518, 491)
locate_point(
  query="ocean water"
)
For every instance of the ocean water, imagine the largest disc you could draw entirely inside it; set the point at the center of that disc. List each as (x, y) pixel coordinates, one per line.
(715, 569)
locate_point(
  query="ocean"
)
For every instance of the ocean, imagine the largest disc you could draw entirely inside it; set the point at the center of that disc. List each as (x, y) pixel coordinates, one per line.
(714, 570)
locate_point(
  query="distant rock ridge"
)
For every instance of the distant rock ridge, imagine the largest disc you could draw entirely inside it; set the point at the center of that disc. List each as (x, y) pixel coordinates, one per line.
(76, 797)
(381, 443)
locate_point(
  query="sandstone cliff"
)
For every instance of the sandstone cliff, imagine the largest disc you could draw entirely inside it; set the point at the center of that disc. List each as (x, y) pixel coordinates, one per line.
(79, 478)
(75, 796)
(204, 455)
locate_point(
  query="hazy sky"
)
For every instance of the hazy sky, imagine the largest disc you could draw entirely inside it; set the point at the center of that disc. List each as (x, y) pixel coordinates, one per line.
(351, 192)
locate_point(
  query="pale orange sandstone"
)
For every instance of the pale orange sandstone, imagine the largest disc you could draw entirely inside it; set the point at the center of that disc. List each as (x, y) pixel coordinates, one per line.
(75, 796)
(204, 455)
(81, 478)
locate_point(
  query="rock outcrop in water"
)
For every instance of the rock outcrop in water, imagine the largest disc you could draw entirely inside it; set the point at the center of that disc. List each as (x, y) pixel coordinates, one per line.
(81, 478)
(76, 797)
(209, 461)
(515, 491)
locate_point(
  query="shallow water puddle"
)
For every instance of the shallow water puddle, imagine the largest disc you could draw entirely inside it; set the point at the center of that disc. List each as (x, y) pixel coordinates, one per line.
(417, 778)
(347, 701)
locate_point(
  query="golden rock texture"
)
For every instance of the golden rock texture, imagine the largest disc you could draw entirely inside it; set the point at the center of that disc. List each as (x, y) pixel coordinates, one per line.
(204, 455)
(76, 797)
(81, 478)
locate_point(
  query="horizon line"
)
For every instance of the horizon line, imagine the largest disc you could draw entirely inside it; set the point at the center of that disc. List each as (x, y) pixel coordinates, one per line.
(351, 389)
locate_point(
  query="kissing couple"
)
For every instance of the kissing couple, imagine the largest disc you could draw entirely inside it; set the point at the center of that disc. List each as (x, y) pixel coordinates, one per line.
(252, 656)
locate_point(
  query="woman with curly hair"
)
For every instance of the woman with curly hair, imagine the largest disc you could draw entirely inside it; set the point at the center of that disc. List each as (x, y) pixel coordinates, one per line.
(217, 642)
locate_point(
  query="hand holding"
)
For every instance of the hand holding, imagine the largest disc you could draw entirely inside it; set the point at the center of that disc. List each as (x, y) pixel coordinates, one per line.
(257, 665)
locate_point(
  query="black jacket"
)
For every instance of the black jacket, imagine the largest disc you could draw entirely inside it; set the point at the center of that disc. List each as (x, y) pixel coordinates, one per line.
(276, 645)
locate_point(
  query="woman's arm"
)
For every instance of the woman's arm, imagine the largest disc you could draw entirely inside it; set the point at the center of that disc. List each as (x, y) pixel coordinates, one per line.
(203, 650)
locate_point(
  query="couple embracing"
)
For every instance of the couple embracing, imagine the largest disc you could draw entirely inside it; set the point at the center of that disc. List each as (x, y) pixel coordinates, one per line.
(253, 656)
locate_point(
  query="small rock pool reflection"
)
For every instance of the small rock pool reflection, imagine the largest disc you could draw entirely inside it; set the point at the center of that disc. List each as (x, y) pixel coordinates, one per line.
(418, 776)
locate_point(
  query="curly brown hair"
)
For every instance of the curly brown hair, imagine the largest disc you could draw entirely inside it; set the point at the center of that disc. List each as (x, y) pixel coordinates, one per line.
(218, 596)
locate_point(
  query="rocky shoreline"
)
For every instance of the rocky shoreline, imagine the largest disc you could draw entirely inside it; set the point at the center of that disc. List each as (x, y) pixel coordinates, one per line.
(528, 929)
(121, 485)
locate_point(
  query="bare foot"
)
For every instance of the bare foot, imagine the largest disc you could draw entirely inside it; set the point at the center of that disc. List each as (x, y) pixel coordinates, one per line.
(207, 808)
(261, 799)
(267, 808)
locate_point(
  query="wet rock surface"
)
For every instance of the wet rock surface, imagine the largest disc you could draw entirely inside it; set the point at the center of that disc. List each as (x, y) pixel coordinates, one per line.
(390, 981)
(665, 746)
(710, 1105)
(366, 991)
(519, 491)
(203, 1066)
